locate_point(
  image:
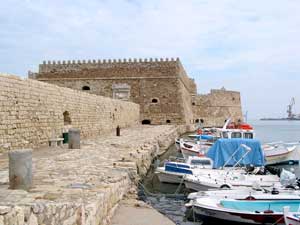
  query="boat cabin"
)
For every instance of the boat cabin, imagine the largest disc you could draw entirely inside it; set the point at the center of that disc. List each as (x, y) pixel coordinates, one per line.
(237, 133)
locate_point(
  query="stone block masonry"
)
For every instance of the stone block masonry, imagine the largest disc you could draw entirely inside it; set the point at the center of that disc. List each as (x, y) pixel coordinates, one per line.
(217, 106)
(160, 86)
(32, 112)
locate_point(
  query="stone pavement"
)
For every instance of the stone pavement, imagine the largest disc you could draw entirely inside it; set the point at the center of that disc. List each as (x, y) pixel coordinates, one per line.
(138, 213)
(83, 186)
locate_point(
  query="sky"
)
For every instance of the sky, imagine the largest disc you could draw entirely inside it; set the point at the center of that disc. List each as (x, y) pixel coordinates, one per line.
(247, 46)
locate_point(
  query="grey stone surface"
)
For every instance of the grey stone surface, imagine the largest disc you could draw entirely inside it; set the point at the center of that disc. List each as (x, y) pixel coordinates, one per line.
(139, 215)
(20, 169)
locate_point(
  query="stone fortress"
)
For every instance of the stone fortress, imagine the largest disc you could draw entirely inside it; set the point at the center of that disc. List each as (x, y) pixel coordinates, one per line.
(161, 87)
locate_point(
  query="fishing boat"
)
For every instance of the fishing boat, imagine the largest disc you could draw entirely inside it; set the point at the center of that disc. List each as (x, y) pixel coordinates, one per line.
(291, 218)
(174, 171)
(266, 210)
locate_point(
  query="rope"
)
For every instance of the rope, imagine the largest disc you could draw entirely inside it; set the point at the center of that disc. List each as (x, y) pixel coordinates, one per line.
(276, 222)
(148, 193)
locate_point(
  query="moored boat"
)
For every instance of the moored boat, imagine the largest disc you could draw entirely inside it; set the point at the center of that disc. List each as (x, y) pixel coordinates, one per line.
(174, 171)
(194, 149)
(280, 153)
(291, 218)
(267, 210)
(229, 156)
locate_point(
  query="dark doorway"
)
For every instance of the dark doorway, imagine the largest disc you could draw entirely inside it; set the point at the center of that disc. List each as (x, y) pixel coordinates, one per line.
(86, 88)
(146, 122)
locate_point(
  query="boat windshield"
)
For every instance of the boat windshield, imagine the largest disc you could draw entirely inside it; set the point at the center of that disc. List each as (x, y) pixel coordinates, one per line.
(236, 135)
(200, 162)
(248, 135)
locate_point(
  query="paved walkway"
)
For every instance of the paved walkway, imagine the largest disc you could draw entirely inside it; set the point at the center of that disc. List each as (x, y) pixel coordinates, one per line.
(83, 184)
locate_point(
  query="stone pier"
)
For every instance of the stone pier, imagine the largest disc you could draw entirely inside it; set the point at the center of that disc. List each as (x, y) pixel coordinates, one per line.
(83, 186)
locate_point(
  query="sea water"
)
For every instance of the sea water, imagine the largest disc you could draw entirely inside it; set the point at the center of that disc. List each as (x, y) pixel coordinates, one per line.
(167, 198)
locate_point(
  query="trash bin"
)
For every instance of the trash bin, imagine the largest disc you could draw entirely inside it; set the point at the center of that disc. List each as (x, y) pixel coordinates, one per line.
(66, 138)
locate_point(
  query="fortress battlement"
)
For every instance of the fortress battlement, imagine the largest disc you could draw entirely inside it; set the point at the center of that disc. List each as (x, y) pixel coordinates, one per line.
(67, 65)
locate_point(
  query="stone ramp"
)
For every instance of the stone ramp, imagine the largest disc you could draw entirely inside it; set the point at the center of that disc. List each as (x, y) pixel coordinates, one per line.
(82, 186)
(139, 214)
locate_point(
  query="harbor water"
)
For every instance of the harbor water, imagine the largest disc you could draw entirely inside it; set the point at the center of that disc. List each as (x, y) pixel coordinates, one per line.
(169, 199)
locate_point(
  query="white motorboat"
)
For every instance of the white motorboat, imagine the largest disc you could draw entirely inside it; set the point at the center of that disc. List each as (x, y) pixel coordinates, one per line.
(231, 177)
(173, 171)
(266, 209)
(227, 179)
(240, 193)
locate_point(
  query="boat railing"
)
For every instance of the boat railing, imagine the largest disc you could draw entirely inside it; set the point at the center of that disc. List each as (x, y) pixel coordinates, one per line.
(248, 149)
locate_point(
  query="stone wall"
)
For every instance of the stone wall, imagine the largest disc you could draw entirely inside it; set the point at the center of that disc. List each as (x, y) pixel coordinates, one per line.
(31, 112)
(217, 106)
(161, 87)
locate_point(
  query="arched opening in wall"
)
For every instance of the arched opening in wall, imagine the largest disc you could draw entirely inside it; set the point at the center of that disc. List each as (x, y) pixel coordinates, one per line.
(193, 103)
(168, 121)
(197, 121)
(145, 122)
(201, 120)
(154, 100)
(67, 118)
(233, 98)
(86, 88)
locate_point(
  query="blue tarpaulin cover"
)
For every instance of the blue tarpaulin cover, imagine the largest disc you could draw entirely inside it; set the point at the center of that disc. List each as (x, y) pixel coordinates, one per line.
(223, 149)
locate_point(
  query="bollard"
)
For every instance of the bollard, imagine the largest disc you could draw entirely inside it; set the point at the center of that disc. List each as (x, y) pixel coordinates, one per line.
(118, 131)
(20, 169)
(74, 138)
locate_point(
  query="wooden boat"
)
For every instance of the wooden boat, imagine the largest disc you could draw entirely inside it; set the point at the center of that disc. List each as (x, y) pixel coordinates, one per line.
(279, 152)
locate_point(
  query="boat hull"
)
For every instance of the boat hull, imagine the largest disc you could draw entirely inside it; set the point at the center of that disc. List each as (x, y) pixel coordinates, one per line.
(238, 217)
(188, 152)
(279, 154)
(168, 177)
(196, 186)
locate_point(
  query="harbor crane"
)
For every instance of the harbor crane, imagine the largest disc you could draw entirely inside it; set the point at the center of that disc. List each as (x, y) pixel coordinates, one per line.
(290, 109)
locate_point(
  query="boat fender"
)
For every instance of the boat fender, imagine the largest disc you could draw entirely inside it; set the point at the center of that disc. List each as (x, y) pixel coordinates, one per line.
(290, 187)
(225, 186)
(250, 198)
(199, 131)
(268, 211)
(274, 191)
